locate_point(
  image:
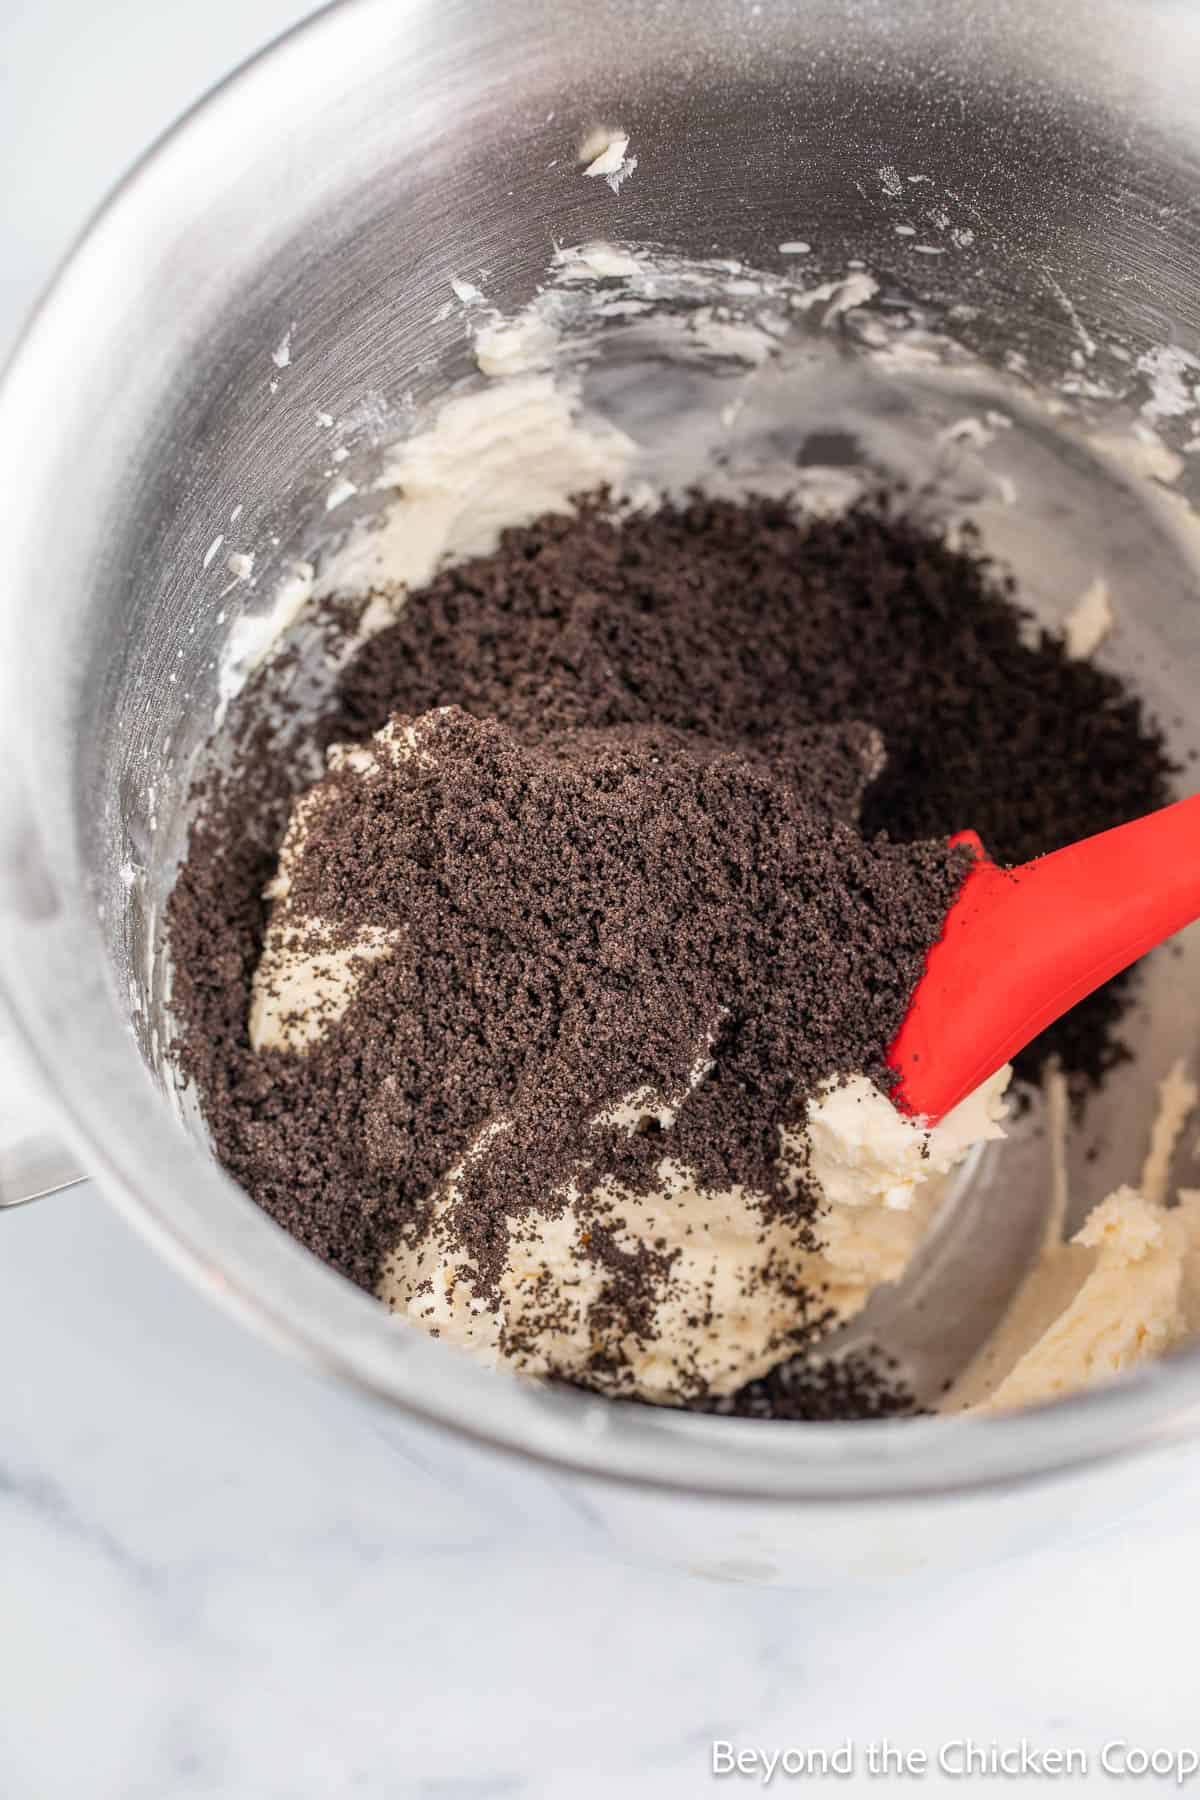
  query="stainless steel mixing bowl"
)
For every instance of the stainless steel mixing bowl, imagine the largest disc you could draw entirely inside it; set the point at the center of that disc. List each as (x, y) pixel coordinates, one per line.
(331, 190)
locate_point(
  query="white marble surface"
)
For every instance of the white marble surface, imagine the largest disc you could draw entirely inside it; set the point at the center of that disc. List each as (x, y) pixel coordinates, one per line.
(216, 1579)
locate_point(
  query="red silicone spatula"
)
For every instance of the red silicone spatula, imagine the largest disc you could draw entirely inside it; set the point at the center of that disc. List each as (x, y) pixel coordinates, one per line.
(1020, 946)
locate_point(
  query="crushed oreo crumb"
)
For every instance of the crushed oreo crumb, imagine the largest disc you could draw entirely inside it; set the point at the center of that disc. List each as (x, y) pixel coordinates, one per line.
(587, 919)
(742, 622)
(860, 1385)
(663, 729)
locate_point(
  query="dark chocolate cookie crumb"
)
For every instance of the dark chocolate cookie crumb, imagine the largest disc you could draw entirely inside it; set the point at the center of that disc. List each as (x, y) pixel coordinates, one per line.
(813, 1388)
(590, 918)
(730, 636)
(742, 622)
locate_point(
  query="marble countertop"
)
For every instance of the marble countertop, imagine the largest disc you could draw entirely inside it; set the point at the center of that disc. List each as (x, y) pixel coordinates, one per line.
(217, 1578)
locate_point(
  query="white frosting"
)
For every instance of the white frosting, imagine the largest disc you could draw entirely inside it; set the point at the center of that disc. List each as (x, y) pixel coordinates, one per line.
(1177, 1098)
(514, 346)
(839, 296)
(724, 1307)
(466, 292)
(866, 1245)
(339, 491)
(1120, 1293)
(304, 982)
(501, 457)
(1142, 454)
(1174, 377)
(256, 636)
(1089, 621)
(607, 158)
(863, 1152)
(596, 261)
(607, 155)
(1123, 1290)
(722, 1311)
(306, 978)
